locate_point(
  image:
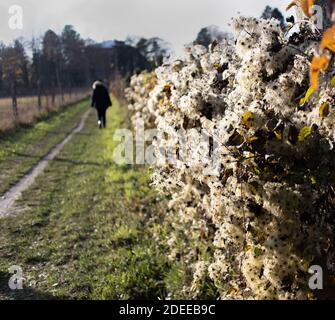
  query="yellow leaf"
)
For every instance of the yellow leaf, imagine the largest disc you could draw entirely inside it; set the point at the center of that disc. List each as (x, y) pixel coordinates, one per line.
(253, 190)
(305, 132)
(313, 180)
(324, 110)
(332, 82)
(216, 66)
(306, 97)
(247, 120)
(256, 170)
(247, 248)
(310, 296)
(168, 90)
(233, 292)
(328, 39)
(319, 63)
(252, 139)
(279, 134)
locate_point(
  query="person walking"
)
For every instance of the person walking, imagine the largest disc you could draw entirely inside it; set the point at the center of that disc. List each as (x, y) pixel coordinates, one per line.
(101, 101)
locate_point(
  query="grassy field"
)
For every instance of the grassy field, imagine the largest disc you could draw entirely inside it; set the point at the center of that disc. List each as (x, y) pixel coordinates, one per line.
(22, 149)
(28, 109)
(92, 230)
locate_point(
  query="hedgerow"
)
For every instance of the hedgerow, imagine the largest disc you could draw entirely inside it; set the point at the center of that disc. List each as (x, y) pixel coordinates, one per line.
(256, 226)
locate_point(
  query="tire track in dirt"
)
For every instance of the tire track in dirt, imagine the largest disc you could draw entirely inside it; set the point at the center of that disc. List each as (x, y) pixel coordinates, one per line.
(7, 201)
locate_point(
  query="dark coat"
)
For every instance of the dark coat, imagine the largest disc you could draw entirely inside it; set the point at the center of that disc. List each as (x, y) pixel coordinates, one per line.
(100, 98)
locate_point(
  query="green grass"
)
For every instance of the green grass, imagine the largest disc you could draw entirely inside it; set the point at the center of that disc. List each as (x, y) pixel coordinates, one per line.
(20, 150)
(92, 229)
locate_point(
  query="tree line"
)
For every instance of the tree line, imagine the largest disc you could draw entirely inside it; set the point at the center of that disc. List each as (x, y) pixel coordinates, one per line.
(55, 64)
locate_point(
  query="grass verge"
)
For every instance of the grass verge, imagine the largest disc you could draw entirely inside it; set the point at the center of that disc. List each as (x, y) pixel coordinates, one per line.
(92, 229)
(22, 149)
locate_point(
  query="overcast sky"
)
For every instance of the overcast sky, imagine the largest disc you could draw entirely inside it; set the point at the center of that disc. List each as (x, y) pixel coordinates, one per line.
(177, 21)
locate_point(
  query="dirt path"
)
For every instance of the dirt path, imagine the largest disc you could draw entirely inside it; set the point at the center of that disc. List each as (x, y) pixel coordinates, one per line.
(91, 229)
(7, 202)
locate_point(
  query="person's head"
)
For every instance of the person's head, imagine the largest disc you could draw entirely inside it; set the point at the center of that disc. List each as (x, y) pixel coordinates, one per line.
(97, 83)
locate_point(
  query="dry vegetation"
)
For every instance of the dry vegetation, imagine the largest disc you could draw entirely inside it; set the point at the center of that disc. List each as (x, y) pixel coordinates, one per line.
(29, 111)
(91, 229)
(258, 110)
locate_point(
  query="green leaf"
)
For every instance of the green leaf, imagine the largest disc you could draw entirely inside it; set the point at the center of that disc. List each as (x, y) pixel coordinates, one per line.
(247, 248)
(313, 180)
(333, 81)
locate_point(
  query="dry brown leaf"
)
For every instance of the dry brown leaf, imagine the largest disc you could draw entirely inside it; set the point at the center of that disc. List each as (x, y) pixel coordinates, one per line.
(291, 5)
(306, 6)
(319, 63)
(328, 39)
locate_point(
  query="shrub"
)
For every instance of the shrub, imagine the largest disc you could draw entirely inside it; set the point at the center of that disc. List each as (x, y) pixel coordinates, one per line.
(268, 214)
